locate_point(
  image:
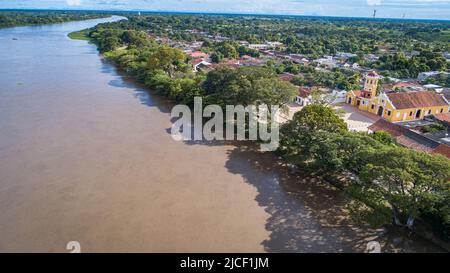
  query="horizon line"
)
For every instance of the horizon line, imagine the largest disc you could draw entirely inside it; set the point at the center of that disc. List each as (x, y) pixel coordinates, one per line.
(223, 13)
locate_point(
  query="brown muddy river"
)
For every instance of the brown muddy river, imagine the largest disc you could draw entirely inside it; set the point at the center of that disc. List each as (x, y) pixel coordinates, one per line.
(86, 155)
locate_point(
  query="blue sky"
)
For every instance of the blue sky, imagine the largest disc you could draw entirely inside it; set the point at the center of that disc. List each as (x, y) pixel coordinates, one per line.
(434, 9)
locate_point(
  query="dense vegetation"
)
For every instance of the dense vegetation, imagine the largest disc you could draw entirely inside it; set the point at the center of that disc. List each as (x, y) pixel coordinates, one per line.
(399, 66)
(12, 18)
(392, 184)
(306, 35)
(166, 70)
(396, 41)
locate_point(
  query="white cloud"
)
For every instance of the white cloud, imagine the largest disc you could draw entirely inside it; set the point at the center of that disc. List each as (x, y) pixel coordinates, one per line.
(73, 2)
(434, 9)
(373, 2)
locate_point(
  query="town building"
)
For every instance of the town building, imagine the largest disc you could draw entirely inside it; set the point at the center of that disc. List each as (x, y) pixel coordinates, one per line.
(199, 55)
(286, 76)
(327, 61)
(345, 55)
(258, 46)
(410, 139)
(447, 55)
(200, 64)
(304, 96)
(396, 106)
(425, 75)
(405, 86)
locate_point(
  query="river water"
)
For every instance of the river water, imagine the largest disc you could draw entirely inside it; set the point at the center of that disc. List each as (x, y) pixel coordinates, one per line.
(85, 155)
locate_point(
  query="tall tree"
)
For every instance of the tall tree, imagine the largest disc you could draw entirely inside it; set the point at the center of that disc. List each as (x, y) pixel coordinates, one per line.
(168, 59)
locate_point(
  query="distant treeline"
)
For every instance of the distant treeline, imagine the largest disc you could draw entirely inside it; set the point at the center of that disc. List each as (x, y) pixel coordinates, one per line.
(23, 18)
(392, 40)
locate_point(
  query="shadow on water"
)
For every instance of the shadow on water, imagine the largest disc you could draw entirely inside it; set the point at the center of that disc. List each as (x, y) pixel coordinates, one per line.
(305, 213)
(139, 90)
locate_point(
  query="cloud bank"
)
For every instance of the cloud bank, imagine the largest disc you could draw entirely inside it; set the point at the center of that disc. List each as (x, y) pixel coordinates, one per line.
(434, 9)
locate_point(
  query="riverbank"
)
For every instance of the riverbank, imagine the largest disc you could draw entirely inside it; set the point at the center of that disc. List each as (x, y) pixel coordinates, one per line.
(86, 154)
(79, 35)
(165, 83)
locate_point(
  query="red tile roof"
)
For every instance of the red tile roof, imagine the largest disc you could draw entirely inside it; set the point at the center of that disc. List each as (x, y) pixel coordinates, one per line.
(410, 139)
(286, 77)
(389, 127)
(412, 144)
(443, 117)
(373, 74)
(304, 92)
(443, 150)
(197, 61)
(404, 84)
(199, 54)
(406, 100)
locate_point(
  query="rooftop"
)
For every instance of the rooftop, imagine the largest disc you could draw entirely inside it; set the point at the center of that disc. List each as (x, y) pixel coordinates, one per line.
(198, 54)
(443, 117)
(410, 138)
(407, 100)
(304, 92)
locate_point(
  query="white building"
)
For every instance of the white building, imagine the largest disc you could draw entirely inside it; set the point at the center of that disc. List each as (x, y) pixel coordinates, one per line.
(327, 61)
(425, 75)
(447, 55)
(345, 55)
(304, 96)
(274, 44)
(434, 87)
(258, 46)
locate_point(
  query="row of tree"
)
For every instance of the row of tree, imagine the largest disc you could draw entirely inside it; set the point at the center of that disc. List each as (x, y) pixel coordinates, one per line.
(390, 183)
(314, 36)
(13, 18)
(167, 71)
(399, 66)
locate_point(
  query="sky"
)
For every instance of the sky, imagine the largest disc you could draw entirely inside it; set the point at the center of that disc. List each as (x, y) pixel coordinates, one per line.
(426, 9)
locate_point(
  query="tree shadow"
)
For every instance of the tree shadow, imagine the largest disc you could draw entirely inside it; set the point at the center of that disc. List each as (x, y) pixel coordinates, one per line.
(145, 96)
(308, 214)
(305, 213)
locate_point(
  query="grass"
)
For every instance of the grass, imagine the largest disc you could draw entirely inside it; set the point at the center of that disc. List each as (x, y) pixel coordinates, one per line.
(79, 35)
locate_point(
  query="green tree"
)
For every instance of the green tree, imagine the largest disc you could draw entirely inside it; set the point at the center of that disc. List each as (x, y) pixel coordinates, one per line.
(308, 127)
(272, 91)
(168, 59)
(134, 38)
(383, 137)
(409, 182)
(216, 57)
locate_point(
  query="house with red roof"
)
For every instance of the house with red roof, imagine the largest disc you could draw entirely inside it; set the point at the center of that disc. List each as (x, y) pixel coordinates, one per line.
(410, 139)
(304, 96)
(199, 55)
(397, 106)
(286, 77)
(200, 64)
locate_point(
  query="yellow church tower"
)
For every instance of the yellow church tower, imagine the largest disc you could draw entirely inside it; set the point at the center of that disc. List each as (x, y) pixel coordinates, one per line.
(371, 83)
